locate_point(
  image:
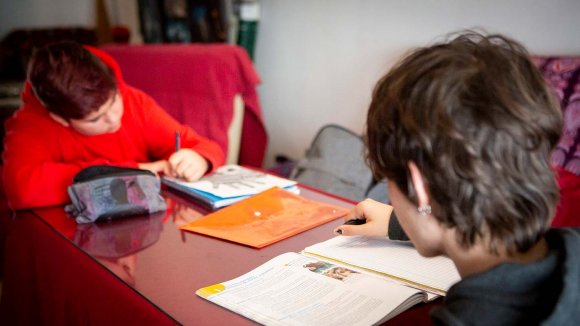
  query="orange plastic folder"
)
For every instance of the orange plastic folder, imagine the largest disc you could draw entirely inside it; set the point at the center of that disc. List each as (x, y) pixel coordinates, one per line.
(265, 218)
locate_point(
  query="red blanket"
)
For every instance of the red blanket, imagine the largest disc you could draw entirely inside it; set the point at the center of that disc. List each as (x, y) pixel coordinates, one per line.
(196, 84)
(568, 212)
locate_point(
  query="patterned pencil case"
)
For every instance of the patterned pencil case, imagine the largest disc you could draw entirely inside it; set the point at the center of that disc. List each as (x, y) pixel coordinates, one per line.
(105, 192)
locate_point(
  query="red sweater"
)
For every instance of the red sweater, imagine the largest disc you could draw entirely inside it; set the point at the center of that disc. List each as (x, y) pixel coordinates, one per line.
(41, 156)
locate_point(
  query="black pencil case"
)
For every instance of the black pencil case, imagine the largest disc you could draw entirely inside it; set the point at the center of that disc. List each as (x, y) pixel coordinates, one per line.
(104, 192)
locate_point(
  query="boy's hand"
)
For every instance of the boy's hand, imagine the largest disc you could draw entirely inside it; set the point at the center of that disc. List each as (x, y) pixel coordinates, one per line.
(157, 167)
(188, 164)
(376, 214)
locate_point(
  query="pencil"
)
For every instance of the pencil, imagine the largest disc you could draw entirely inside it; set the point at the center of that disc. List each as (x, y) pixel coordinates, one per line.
(177, 141)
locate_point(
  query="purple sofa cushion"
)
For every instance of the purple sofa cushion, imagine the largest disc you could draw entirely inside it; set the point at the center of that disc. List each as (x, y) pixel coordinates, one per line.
(563, 74)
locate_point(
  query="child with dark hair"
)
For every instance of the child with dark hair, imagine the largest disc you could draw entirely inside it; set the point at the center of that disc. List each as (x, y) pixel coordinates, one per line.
(78, 112)
(463, 131)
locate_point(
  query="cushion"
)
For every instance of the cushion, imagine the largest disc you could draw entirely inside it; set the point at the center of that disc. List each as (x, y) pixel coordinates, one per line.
(563, 73)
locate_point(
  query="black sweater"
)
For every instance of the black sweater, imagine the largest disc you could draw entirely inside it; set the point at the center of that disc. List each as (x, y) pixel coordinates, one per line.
(545, 292)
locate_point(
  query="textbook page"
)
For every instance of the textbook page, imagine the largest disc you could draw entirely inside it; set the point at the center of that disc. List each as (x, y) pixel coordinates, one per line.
(399, 260)
(293, 289)
(236, 181)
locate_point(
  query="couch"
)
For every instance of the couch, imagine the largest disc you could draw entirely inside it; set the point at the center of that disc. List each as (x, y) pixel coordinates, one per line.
(563, 74)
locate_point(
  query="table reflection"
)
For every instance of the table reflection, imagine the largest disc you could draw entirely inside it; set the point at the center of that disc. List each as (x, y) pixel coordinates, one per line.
(183, 213)
(115, 244)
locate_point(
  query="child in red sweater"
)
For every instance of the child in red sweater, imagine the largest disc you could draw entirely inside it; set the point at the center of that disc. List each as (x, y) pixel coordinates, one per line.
(78, 112)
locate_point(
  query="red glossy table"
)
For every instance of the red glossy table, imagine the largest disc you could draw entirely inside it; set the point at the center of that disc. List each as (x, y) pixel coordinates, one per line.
(141, 270)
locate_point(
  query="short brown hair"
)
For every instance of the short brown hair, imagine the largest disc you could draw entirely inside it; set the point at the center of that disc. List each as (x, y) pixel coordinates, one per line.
(69, 80)
(477, 118)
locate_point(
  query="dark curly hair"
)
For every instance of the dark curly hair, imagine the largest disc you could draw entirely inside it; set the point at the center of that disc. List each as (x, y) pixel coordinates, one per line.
(69, 80)
(477, 118)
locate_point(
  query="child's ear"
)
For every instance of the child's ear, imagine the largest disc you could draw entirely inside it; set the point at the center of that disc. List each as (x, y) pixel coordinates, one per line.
(59, 119)
(419, 185)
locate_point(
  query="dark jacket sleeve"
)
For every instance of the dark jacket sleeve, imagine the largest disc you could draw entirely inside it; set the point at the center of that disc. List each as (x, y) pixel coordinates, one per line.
(396, 232)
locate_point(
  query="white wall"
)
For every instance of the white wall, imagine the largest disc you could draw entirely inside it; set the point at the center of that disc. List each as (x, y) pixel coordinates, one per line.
(319, 59)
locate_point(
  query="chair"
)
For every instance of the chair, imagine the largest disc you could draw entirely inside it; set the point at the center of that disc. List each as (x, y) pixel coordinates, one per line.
(198, 85)
(335, 163)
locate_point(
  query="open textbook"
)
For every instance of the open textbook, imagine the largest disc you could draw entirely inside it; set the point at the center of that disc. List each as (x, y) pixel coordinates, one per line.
(229, 184)
(342, 281)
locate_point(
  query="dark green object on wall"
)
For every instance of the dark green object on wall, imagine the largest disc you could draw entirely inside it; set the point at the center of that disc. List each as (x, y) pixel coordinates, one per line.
(247, 35)
(249, 16)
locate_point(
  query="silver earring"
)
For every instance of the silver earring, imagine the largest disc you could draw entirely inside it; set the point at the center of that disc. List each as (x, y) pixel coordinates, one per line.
(424, 210)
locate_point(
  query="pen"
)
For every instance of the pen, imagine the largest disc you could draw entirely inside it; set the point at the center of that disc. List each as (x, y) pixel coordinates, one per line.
(356, 221)
(177, 141)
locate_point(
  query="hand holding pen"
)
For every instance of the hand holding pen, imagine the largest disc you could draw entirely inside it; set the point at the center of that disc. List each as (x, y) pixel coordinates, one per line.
(162, 166)
(186, 163)
(369, 218)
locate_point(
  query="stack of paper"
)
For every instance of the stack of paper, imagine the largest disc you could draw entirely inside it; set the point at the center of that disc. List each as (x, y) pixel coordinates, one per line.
(229, 184)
